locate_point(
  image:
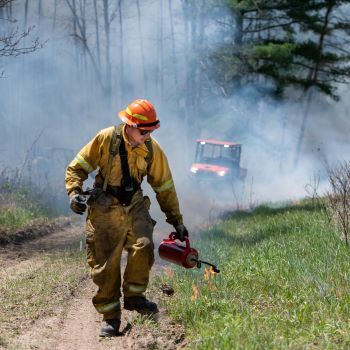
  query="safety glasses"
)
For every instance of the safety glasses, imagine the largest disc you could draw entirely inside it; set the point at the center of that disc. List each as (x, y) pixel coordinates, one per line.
(145, 132)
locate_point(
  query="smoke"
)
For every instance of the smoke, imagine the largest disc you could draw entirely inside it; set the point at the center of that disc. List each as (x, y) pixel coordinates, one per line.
(55, 100)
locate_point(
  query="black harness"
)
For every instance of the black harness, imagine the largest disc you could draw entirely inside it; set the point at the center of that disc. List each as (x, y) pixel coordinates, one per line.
(129, 185)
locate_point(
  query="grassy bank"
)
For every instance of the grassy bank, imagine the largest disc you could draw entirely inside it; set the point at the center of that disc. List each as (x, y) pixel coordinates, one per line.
(23, 200)
(20, 206)
(26, 209)
(284, 283)
(37, 288)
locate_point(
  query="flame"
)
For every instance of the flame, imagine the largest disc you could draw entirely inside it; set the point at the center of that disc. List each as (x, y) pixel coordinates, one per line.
(212, 271)
(195, 292)
(207, 274)
(169, 272)
(208, 277)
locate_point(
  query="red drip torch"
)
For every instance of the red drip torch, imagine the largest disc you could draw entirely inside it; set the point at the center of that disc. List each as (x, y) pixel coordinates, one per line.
(181, 255)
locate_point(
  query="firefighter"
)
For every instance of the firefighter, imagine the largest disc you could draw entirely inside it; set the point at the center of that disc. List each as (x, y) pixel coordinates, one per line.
(118, 214)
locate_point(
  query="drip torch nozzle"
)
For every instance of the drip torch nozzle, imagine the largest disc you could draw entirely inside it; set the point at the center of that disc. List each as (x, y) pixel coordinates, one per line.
(200, 262)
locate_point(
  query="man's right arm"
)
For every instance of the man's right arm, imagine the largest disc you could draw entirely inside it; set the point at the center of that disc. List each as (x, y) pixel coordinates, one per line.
(160, 178)
(85, 162)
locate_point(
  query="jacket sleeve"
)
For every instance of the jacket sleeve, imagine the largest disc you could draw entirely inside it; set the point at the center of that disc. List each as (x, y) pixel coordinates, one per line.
(160, 178)
(85, 162)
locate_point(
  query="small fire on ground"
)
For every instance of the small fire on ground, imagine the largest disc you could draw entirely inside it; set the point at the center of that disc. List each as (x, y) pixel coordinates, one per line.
(208, 275)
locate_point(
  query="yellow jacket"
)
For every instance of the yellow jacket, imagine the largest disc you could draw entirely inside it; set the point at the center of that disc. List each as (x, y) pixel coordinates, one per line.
(96, 154)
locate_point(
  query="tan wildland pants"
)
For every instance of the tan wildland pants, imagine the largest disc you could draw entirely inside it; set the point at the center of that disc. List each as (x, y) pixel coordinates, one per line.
(108, 233)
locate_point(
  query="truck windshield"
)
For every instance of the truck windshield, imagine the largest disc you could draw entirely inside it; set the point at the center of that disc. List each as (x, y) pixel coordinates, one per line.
(217, 154)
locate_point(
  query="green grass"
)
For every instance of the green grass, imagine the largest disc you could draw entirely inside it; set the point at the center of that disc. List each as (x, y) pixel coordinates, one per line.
(145, 321)
(20, 205)
(284, 283)
(37, 289)
(15, 217)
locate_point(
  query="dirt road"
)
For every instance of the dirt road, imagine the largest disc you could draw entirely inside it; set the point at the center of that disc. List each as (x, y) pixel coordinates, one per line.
(75, 325)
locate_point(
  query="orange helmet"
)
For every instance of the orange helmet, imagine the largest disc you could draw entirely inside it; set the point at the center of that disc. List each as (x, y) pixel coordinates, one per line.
(140, 114)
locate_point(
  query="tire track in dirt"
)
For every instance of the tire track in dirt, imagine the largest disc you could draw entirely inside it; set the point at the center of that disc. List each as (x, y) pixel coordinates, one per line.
(80, 328)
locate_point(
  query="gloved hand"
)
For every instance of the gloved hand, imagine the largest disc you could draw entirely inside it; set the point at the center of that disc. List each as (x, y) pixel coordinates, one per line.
(181, 232)
(77, 203)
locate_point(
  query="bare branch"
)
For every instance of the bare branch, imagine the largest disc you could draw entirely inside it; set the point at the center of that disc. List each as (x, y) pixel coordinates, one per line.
(10, 43)
(278, 25)
(3, 3)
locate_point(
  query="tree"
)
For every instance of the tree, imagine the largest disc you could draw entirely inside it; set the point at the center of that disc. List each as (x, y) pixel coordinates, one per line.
(80, 33)
(288, 42)
(281, 44)
(12, 39)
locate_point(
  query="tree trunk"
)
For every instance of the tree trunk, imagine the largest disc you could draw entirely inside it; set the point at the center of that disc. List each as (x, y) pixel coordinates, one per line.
(312, 82)
(282, 156)
(308, 101)
(173, 51)
(83, 25)
(97, 35)
(40, 12)
(199, 53)
(142, 48)
(84, 42)
(238, 35)
(75, 34)
(9, 9)
(160, 51)
(121, 52)
(193, 65)
(107, 47)
(188, 55)
(26, 13)
(238, 42)
(54, 15)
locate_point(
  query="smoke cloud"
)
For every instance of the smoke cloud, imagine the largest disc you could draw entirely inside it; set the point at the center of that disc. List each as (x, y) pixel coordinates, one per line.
(54, 101)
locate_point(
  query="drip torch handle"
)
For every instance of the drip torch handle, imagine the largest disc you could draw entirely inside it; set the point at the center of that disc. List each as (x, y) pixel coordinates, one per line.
(172, 236)
(200, 262)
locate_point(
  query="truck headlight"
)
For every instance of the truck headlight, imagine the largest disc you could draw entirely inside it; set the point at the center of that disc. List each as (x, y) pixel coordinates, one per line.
(194, 170)
(222, 173)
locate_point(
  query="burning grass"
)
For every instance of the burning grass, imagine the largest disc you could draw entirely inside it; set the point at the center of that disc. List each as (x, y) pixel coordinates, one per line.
(284, 283)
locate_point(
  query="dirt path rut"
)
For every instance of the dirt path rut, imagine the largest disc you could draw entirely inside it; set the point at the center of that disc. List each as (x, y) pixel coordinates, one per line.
(76, 324)
(81, 327)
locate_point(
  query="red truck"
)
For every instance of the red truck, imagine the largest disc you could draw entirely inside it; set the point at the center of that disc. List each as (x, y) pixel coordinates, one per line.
(218, 160)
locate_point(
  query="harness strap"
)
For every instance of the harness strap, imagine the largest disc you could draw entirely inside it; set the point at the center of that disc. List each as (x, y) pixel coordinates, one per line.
(149, 156)
(117, 146)
(127, 182)
(113, 151)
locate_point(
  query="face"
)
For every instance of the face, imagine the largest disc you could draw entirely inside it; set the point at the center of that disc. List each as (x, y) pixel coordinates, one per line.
(137, 136)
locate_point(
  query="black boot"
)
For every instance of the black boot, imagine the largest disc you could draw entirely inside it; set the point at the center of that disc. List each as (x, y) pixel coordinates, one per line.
(141, 305)
(110, 328)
